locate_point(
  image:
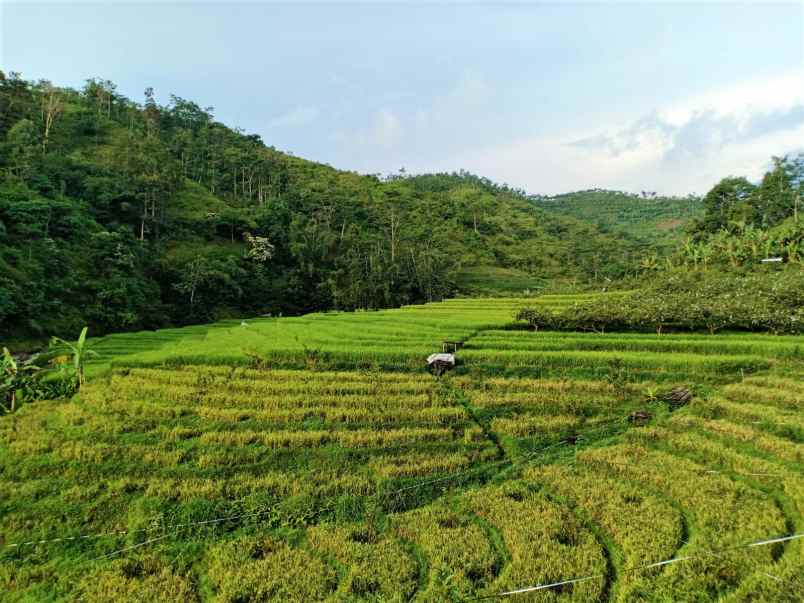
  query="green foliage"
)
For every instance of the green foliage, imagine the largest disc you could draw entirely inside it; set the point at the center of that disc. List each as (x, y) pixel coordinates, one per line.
(653, 220)
(79, 352)
(28, 380)
(693, 301)
(127, 216)
(16, 379)
(539, 318)
(745, 223)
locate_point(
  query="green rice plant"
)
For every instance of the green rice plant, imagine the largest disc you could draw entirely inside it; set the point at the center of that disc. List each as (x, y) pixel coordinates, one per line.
(186, 427)
(553, 546)
(723, 513)
(642, 527)
(372, 567)
(776, 347)
(460, 557)
(651, 362)
(261, 568)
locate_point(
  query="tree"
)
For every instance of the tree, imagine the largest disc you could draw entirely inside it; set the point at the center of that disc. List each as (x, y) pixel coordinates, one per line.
(23, 141)
(722, 201)
(538, 318)
(52, 107)
(258, 249)
(776, 196)
(194, 274)
(15, 379)
(16, 100)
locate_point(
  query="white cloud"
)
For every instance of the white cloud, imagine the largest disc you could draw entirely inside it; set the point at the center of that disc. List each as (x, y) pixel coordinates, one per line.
(398, 134)
(676, 149)
(781, 91)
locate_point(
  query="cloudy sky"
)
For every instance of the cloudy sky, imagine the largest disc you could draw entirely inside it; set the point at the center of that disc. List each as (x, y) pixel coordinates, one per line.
(550, 97)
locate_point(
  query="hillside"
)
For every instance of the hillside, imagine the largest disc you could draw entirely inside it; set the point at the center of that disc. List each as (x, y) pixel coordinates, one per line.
(125, 215)
(657, 220)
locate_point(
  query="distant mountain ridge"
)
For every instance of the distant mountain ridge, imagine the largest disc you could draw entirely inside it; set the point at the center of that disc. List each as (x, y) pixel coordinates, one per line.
(658, 220)
(125, 215)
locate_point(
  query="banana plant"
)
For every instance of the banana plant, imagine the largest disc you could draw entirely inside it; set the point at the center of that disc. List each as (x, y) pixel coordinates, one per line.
(79, 351)
(15, 377)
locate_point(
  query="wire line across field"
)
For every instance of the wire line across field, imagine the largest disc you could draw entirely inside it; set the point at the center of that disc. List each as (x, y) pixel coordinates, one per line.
(314, 458)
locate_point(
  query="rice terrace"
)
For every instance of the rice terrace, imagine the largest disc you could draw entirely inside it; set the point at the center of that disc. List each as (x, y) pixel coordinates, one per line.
(401, 302)
(231, 461)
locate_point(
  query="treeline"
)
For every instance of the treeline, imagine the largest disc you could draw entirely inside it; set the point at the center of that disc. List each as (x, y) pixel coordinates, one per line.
(125, 215)
(744, 223)
(694, 301)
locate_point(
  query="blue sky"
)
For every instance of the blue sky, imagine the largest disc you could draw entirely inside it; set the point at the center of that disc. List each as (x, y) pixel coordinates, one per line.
(550, 97)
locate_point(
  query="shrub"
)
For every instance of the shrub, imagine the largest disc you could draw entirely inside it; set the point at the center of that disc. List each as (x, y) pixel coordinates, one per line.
(694, 301)
(539, 318)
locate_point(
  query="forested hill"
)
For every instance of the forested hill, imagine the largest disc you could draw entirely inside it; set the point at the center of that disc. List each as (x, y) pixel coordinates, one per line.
(658, 220)
(126, 215)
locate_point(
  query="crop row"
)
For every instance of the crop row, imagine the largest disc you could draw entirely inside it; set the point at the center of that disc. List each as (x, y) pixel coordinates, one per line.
(389, 337)
(546, 341)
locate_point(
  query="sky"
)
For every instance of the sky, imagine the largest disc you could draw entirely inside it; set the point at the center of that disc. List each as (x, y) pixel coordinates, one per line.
(549, 97)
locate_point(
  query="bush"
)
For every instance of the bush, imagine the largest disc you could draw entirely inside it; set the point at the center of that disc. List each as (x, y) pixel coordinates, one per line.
(539, 318)
(693, 301)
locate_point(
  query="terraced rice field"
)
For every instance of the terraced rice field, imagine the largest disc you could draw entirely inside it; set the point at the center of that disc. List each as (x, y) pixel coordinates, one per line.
(314, 459)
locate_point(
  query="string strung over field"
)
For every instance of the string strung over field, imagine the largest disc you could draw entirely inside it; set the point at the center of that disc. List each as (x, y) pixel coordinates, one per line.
(315, 458)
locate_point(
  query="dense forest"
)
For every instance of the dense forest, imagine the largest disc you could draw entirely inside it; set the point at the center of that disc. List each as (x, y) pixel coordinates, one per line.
(125, 215)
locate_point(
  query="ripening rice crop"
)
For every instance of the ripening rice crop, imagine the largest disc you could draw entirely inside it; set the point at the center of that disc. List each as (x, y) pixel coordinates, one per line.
(313, 459)
(720, 512)
(261, 568)
(778, 579)
(372, 567)
(457, 547)
(643, 527)
(141, 579)
(544, 542)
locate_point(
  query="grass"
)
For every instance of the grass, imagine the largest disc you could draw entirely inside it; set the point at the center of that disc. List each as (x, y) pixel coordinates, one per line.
(313, 458)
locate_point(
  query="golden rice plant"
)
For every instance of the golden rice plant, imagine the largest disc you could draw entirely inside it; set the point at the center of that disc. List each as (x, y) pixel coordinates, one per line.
(643, 526)
(133, 580)
(374, 567)
(261, 568)
(545, 542)
(723, 512)
(460, 556)
(772, 445)
(414, 464)
(529, 425)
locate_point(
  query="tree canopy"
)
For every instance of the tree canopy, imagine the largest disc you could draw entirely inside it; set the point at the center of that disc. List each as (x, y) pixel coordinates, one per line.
(130, 215)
